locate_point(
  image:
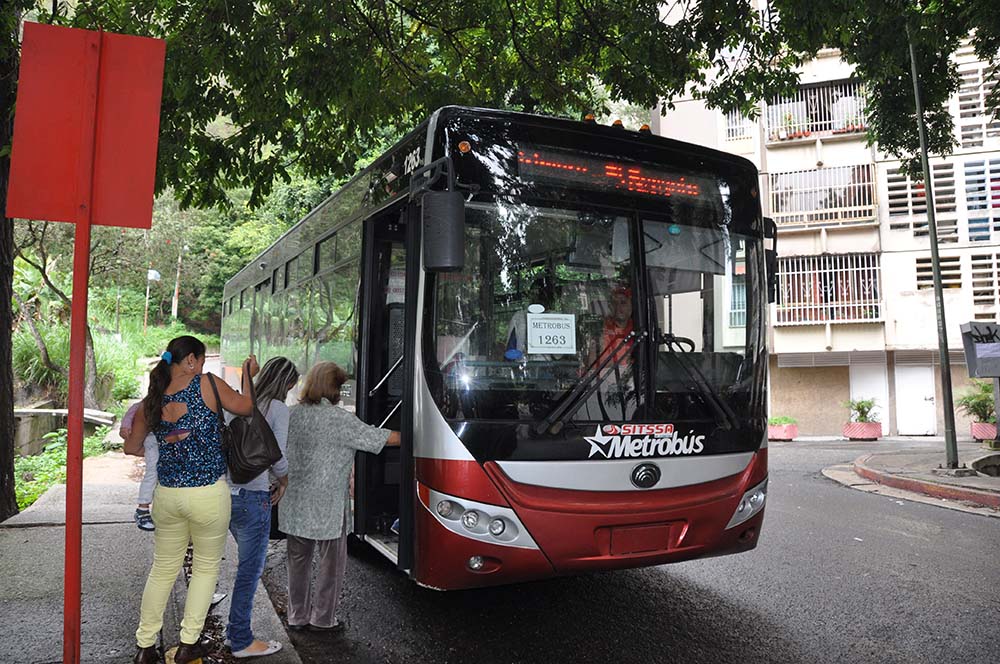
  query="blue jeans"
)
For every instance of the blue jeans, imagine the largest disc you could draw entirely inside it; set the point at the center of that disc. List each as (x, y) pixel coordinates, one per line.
(250, 525)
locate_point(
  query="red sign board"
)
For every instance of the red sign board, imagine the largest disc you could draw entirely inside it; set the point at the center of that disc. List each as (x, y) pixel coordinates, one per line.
(86, 127)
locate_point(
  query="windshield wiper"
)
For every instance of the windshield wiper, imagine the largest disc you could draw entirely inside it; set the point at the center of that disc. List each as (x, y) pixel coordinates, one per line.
(708, 393)
(587, 385)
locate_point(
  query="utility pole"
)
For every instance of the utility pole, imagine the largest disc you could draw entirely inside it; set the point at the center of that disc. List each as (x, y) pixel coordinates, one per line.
(951, 444)
(177, 284)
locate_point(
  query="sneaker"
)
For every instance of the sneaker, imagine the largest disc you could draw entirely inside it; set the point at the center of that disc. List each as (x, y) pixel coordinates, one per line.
(144, 520)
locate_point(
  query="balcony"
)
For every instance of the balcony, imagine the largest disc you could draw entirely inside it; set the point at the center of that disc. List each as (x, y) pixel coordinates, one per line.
(837, 196)
(815, 290)
(822, 110)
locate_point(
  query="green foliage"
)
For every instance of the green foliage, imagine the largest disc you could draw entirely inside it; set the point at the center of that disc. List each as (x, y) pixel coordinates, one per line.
(861, 410)
(116, 356)
(979, 404)
(34, 475)
(781, 420)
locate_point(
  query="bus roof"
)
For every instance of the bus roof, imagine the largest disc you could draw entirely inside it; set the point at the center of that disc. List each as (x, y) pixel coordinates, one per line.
(431, 124)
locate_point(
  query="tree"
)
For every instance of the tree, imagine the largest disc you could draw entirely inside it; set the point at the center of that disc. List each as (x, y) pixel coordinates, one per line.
(255, 89)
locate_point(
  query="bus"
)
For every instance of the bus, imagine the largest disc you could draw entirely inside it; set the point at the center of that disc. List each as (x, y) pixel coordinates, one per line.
(565, 320)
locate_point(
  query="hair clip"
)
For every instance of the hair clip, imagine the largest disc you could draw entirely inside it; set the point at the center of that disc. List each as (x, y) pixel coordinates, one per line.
(167, 356)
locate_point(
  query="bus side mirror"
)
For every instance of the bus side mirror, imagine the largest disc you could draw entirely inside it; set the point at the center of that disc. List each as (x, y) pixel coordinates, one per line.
(443, 230)
(771, 258)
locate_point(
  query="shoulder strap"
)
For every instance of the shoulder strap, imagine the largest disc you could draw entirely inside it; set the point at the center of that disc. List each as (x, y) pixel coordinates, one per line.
(253, 393)
(218, 401)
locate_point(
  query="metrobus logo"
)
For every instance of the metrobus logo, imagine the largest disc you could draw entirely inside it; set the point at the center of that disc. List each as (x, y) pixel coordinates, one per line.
(629, 441)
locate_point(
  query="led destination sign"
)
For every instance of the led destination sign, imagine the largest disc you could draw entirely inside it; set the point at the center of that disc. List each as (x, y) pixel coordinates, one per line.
(574, 169)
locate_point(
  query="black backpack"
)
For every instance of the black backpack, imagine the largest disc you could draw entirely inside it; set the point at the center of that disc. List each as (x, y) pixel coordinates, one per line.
(248, 443)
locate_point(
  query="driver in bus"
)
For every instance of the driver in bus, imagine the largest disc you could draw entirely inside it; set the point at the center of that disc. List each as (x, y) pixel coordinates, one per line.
(617, 385)
(617, 325)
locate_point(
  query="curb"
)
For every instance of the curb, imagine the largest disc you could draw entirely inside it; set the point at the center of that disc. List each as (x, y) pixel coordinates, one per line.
(933, 489)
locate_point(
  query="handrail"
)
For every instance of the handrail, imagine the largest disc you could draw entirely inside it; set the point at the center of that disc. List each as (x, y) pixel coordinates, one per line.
(391, 413)
(386, 376)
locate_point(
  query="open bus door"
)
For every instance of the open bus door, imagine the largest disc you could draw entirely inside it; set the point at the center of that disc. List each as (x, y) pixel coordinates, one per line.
(383, 483)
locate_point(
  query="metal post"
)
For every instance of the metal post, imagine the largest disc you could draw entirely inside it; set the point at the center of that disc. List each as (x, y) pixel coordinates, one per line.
(72, 568)
(145, 314)
(951, 445)
(177, 286)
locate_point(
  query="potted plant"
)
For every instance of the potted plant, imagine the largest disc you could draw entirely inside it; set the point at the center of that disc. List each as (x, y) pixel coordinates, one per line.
(864, 424)
(980, 407)
(782, 428)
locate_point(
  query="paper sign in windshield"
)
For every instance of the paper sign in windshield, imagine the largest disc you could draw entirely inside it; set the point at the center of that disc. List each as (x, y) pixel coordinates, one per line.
(551, 334)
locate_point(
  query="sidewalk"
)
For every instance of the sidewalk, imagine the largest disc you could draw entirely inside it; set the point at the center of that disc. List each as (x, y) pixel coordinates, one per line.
(919, 471)
(116, 560)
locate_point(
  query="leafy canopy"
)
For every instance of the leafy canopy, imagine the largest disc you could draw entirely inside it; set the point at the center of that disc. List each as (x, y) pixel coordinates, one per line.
(255, 89)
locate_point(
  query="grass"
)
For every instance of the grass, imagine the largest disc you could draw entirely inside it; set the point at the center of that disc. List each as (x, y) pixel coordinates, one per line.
(34, 475)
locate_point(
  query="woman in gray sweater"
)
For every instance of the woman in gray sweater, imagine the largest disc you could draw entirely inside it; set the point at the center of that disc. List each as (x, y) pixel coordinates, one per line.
(322, 440)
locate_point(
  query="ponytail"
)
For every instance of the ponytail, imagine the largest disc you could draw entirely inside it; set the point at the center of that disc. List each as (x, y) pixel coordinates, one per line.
(159, 378)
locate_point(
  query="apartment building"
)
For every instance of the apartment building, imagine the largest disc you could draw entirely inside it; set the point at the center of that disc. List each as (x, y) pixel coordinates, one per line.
(856, 317)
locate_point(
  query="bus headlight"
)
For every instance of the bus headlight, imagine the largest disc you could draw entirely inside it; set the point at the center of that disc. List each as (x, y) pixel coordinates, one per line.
(470, 519)
(497, 526)
(446, 508)
(751, 503)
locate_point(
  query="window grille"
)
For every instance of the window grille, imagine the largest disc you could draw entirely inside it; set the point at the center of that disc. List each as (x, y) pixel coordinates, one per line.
(738, 127)
(826, 196)
(907, 203)
(951, 272)
(738, 306)
(975, 121)
(836, 107)
(982, 199)
(985, 288)
(842, 288)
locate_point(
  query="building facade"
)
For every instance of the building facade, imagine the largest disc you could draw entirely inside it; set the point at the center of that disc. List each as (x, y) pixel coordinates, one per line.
(856, 313)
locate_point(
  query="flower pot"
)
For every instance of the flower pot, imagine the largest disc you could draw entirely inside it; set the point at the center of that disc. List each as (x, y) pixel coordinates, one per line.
(984, 431)
(782, 431)
(863, 430)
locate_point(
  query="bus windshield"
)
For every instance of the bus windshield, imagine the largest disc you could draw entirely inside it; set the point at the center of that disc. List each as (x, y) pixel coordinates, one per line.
(545, 321)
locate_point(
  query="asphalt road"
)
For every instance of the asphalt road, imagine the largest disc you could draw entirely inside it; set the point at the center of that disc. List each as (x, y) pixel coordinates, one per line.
(839, 576)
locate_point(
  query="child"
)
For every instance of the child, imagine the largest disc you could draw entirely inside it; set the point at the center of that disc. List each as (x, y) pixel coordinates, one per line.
(143, 517)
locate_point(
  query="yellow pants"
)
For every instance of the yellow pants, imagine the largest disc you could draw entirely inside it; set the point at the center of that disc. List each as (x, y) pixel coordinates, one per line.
(201, 515)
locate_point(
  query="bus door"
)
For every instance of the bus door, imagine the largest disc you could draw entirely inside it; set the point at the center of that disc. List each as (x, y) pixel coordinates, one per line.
(378, 478)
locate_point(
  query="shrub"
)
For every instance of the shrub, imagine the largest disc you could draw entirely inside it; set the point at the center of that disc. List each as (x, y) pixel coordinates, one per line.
(781, 420)
(34, 475)
(861, 410)
(978, 404)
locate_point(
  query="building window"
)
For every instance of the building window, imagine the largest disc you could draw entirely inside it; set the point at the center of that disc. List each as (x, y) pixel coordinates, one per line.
(951, 272)
(835, 107)
(326, 253)
(985, 288)
(982, 199)
(738, 127)
(829, 289)
(826, 196)
(975, 122)
(738, 306)
(907, 201)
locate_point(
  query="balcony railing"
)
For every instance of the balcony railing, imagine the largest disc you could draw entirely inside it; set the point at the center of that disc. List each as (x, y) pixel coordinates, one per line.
(825, 109)
(826, 196)
(829, 289)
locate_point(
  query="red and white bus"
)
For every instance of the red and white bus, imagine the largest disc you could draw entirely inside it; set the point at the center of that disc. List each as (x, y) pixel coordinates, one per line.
(567, 323)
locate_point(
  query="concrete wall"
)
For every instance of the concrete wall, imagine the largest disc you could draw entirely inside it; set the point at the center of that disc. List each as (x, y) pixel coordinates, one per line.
(813, 396)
